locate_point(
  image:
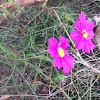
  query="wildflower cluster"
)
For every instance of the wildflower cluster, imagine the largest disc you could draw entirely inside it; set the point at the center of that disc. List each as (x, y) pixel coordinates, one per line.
(82, 35)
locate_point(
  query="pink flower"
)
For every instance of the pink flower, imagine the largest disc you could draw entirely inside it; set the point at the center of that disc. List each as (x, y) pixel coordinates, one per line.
(83, 34)
(59, 55)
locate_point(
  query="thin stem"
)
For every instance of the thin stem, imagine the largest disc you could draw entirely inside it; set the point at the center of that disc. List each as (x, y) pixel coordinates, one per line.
(64, 28)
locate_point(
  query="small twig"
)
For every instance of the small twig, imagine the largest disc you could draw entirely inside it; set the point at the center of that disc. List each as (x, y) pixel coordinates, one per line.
(64, 27)
(18, 13)
(35, 17)
(44, 4)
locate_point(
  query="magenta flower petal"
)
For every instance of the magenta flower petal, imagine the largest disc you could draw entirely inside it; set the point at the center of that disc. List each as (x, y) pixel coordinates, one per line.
(52, 51)
(75, 34)
(69, 59)
(90, 44)
(53, 42)
(63, 42)
(86, 48)
(66, 66)
(78, 25)
(82, 18)
(89, 26)
(84, 44)
(80, 43)
(57, 62)
(90, 34)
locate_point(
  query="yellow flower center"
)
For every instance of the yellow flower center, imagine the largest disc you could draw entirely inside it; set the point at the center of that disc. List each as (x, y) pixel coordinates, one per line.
(84, 34)
(61, 52)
